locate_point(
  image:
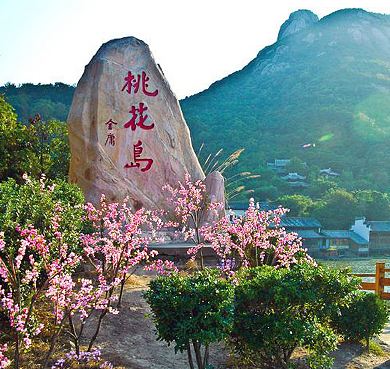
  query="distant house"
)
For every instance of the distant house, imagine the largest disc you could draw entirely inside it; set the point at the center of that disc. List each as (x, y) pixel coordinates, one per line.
(376, 232)
(240, 207)
(317, 240)
(343, 241)
(328, 173)
(279, 165)
(363, 237)
(308, 229)
(300, 223)
(293, 177)
(295, 180)
(299, 184)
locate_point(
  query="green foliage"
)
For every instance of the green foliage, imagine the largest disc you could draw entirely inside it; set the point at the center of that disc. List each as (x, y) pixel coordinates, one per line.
(52, 101)
(29, 204)
(35, 148)
(299, 205)
(278, 310)
(337, 210)
(15, 148)
(327, 91)
(49, 148)
(197, 309)
(373, 204)
(365, 316)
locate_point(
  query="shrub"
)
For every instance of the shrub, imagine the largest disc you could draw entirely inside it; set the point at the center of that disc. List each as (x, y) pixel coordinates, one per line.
(277, 310)
(197, 310)
(36, 203)
(365, 316)
(255, 239)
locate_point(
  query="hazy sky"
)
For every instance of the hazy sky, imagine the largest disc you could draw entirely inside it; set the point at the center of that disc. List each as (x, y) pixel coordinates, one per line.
(195, 42)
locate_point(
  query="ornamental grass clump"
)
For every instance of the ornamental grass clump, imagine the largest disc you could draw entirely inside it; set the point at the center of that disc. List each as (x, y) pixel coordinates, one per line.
(196, 310)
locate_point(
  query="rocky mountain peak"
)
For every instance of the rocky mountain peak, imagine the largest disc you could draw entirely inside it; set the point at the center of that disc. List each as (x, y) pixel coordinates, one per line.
(297, 21)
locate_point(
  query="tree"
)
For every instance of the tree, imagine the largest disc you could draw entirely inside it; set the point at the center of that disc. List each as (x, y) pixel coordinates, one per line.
(195, 310)
(296, 165)
(15, 149)
(320, 187)
(373, 205)
(299, 205)
(337, 209)
(34, 148)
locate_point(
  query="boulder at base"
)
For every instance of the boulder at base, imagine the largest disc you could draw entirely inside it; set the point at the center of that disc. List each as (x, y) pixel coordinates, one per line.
(127, 133)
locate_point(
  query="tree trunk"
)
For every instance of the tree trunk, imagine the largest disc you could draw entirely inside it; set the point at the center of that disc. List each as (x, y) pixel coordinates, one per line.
(190, 356)
(198, 354)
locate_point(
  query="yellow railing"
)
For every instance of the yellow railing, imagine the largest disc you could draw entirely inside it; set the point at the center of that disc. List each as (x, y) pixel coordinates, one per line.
(380, 281)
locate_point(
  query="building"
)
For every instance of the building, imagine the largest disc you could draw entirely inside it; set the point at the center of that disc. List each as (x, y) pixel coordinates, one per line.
(279, 165)
(376, 232)
(328, 173)
(346, 241)
(240, 207)
(362, 238)
(295, 180)
(319, 241)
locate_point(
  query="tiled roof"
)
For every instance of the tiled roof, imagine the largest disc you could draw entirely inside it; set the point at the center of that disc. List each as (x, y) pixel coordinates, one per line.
(329, 172)
(309, 234)
(282, 162)
(346, 234)
(243, 205)
(294, 222)
(379, 225)
(293, 176)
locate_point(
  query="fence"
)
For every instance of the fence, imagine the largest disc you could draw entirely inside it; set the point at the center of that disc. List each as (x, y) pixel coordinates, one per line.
(380, 281)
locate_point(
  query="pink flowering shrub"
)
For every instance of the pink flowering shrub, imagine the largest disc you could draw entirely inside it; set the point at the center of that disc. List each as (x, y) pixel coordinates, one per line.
(191, 204)
(4, 361)
(42, 262)
(117, 244)
(255, 239)
(39, 265)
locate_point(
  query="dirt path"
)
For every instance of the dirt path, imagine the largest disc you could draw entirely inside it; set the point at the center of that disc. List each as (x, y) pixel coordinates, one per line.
(128, 340)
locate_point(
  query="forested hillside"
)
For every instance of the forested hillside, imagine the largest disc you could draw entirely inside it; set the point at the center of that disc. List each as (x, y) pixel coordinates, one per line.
(320, 94)
(51, 101)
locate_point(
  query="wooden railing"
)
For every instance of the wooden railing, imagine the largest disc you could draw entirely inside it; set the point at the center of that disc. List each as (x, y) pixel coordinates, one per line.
(380, 281)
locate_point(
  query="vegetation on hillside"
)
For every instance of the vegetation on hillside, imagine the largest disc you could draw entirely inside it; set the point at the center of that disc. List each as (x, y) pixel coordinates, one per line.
(320, 95)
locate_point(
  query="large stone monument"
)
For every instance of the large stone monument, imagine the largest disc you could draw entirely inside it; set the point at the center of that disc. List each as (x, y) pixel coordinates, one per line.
(127, 133)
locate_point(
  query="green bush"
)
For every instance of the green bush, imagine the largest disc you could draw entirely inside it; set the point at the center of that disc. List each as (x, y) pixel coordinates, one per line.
(197, 310)
(365, 316)
(278, 310)
(35, 203)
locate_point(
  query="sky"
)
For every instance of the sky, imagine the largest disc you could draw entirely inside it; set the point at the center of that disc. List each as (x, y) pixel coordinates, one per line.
(195, 42)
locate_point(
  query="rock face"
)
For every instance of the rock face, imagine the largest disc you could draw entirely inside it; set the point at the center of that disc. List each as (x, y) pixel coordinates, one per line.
(215, 189)
(297, 21)
(127, 133)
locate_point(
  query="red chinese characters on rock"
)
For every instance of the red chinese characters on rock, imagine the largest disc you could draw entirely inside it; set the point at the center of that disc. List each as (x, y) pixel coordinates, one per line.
(110, 137)
(138, 113)
(137, 151)
(133, 81)
(110, 123)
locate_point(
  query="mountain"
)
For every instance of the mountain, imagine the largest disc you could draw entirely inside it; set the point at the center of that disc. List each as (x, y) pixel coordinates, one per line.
(51, 101)
(320, 93)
